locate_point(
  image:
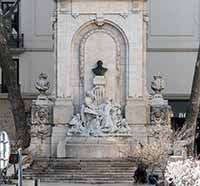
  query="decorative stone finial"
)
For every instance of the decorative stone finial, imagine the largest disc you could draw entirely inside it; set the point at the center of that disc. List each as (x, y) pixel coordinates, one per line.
(42, 84)
(157, 84)
(99, 70)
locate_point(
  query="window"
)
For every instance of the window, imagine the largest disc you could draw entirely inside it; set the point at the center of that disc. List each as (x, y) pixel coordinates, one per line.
(15, 40)
(3, 85)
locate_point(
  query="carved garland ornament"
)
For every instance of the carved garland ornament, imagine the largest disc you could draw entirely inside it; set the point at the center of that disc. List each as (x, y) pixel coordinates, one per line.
(82, 50)
(40, 123)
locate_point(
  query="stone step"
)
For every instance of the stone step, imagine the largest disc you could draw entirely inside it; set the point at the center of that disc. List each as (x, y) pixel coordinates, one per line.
(82, 171)
(93, 161)
(59, 179)
(93, 165)
(83, 175)
(84, 180)
(85, 168)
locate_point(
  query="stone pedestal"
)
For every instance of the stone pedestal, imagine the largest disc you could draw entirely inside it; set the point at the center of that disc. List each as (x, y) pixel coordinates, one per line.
(41, 128)
(94, 147)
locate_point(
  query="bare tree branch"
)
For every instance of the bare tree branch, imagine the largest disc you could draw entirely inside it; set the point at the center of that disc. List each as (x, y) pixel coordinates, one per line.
(12, 9)
(190, 125)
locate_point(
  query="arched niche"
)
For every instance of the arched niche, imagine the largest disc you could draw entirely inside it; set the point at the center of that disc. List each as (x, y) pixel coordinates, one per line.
(90, 44)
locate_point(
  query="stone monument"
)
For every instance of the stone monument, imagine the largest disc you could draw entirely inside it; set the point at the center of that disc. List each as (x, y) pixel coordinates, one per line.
(96, 130)
(112, 33)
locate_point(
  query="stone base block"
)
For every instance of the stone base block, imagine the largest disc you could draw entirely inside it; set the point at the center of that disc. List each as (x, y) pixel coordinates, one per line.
(58, 134)
(40, 148)
(94, 147)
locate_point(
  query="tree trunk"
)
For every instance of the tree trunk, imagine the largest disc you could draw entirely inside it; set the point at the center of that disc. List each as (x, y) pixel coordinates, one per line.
(193, 110)
(14, 95)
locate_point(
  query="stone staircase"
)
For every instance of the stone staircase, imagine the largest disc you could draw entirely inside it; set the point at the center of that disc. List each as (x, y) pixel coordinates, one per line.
(92, 171)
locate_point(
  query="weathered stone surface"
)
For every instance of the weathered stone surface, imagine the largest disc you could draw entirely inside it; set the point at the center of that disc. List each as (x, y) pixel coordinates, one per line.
(63, 111)
(94, 147)
(58, 135)
(137, 111)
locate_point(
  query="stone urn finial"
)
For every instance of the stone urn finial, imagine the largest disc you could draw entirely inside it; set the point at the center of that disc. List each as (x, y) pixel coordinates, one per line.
(42, 84)
(157, 84)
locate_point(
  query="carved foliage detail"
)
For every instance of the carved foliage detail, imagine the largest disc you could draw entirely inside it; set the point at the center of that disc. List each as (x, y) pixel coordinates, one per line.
(41, 127)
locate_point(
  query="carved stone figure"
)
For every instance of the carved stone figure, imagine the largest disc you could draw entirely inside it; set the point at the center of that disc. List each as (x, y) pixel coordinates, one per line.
(75, 125)
(157, 84)
(99, 70)
(98, 120)
(158, 116)
(88, 109)
(42, 84)
(97, 116)
(107, 122)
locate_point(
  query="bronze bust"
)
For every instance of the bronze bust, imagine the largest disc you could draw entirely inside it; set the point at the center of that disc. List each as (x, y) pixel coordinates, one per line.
(99, 70)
